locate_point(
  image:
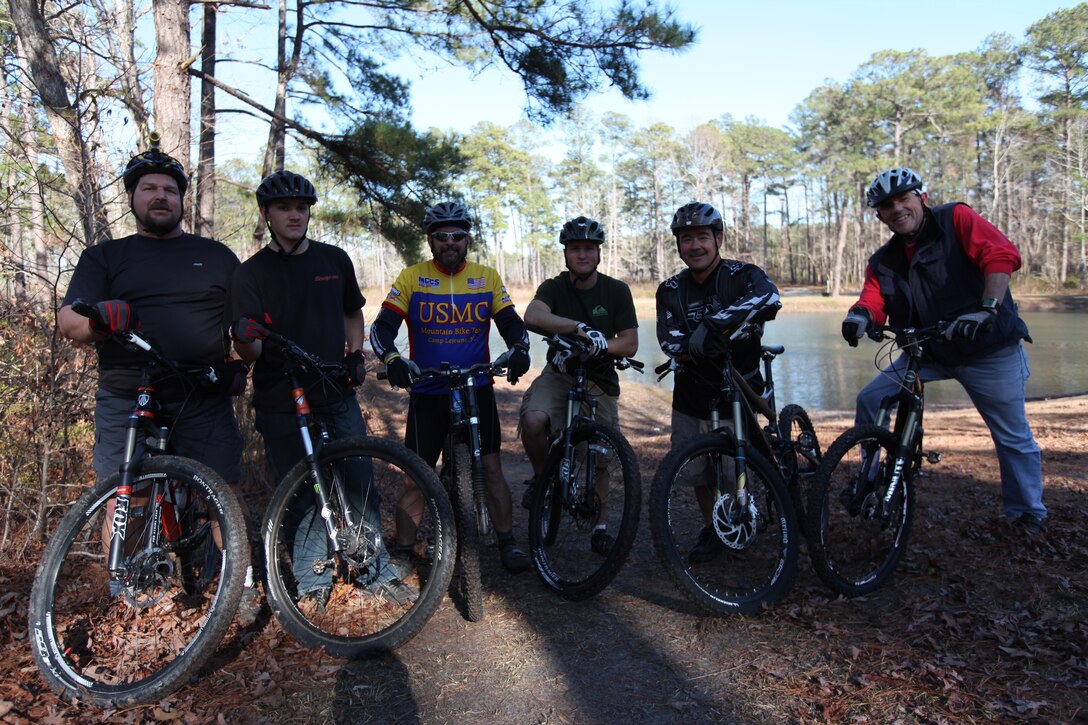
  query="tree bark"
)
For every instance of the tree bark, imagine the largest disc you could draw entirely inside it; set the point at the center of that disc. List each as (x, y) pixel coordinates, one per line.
(205, 169)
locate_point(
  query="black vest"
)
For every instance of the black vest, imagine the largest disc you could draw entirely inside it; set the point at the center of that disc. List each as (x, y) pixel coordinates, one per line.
(939, 283)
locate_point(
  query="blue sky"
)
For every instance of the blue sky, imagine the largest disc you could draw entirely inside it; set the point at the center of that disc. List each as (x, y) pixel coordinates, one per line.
(756, 59)
(751, 58)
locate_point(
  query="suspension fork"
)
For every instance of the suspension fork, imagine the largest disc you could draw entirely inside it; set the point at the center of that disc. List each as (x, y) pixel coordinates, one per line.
(479, 478)
(305, 419)
(122, 504)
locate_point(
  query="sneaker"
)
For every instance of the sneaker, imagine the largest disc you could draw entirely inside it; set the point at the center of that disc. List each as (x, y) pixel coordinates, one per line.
(390, 586)
(1030, 524)
(514, 560)
(707, 547)
(601, 542)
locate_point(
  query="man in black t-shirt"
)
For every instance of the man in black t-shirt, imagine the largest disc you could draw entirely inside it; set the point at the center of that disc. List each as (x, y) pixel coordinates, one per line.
(175, 287)
(695, 310)
(307, 291)
(600, 310)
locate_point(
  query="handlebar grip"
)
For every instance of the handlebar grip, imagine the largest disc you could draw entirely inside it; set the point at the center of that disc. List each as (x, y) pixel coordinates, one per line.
(381, 375)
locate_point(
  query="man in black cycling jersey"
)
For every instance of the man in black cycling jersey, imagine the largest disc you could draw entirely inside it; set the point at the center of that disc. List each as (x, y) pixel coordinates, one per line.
(585, 303)
(697, 310)
(175, 287)
(306, 291)
(448, 304)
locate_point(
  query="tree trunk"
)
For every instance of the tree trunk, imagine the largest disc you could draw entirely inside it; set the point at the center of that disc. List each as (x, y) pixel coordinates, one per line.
(64, 119)
(172, 85)
(205, 170)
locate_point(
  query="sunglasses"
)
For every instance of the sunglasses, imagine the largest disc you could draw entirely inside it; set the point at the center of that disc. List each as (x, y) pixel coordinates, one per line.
(449, 236)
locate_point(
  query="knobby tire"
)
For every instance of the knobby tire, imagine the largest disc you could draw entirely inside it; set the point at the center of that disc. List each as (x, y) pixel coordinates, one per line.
(358, 618)
(856, 552)
(559, 534)
(732, 581)
(101, 649)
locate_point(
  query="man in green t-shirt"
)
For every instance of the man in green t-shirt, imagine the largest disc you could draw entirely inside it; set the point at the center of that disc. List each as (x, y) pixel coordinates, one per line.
(597, 308)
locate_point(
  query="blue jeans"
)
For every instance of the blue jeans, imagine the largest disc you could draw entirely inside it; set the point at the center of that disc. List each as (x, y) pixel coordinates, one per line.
(283, 449)
(995, 385)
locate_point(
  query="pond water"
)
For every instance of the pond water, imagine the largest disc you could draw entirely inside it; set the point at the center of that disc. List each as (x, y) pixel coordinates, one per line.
(821, 372)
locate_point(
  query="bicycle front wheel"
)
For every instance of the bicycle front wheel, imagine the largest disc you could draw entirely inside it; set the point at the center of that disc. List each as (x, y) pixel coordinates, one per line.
(729, 553)
(144, 634)
(600, 485)
(857, 532)
(468, 534)
(353, 599)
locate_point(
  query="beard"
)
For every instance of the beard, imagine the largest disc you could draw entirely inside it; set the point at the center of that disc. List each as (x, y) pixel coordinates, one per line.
(158, 226)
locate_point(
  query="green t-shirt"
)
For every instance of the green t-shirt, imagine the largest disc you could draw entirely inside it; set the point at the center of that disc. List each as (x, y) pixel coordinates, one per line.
(607, 307)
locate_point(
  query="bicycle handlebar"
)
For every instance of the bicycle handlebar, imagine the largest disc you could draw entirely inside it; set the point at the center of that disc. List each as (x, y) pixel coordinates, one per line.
(938, 329)
(584, 351)
(132, 337)
(307, 360)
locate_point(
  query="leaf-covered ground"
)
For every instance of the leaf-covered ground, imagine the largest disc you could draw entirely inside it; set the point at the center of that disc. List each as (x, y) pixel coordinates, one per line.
(981, 624)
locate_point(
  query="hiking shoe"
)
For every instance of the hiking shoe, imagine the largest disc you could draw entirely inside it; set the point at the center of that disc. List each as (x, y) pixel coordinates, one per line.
(1030, 524)
(249, 606)
(707, 547)
(601, 542)
(514, 560)
(388, 585)
(319, 596)
(527, 497)
(402, 558)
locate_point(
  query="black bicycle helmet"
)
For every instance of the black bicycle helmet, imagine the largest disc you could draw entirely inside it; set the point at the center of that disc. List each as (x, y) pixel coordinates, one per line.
(446, 213)
(285, 185)
(582, 229)
(892, 183)
(154, 161)
(696, 214)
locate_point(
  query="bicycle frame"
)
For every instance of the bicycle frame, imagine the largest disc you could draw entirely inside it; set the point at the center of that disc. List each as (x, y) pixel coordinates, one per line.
(300, 360)
(909, 403)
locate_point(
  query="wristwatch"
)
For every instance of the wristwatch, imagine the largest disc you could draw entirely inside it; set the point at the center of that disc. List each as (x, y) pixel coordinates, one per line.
(990, 305)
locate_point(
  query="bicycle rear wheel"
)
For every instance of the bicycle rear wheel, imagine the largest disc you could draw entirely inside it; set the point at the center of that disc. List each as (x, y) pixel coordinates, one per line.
(355, 602)
(607, 490)
(170, 608)
(745, 558)
(468, 534)
(799, 457)
(855, 538)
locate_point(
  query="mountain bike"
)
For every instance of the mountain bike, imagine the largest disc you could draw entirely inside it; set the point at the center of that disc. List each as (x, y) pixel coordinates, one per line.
(462, 471)
(862, 502)
(590, 477)
(333, 514)
(739, 556)
(140, 581)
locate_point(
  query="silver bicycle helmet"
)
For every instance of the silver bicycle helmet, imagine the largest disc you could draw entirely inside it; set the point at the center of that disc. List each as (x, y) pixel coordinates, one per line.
(446, 213)
(893, 182)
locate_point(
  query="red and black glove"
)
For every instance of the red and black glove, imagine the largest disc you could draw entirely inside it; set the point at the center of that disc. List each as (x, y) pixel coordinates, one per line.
(355, 364)
(113, 316)
(247, 330)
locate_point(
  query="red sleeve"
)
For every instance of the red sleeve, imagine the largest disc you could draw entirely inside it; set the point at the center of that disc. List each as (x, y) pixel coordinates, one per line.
(871, 299)
(984, 243)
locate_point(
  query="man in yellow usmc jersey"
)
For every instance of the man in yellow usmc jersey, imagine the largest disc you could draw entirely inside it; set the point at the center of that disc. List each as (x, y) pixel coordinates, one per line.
(448, 304)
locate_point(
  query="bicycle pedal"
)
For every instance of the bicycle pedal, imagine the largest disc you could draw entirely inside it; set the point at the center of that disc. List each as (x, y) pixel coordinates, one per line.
(932, 456)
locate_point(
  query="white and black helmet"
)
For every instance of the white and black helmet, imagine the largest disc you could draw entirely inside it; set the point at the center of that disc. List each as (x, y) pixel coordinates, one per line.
(892, 183)
(446, 212)
(696, 214)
